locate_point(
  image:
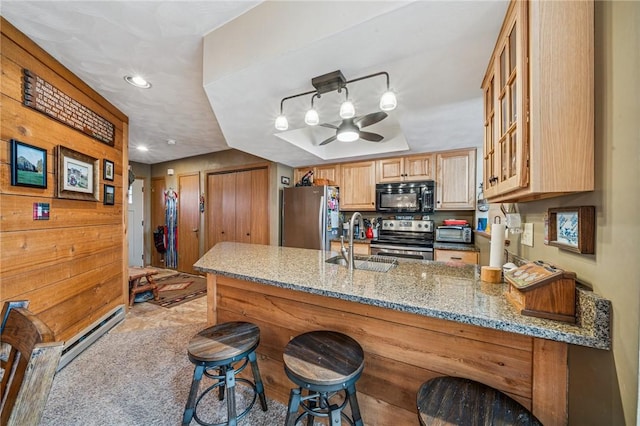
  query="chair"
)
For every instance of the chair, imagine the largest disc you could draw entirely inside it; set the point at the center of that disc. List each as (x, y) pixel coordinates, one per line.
(30, 357)
(324, 363)
(457, 401)
(220, 353)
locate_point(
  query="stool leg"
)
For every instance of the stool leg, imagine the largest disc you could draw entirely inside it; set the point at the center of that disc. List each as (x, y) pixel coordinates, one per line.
(193, 393)
(294, 404)
(230, 382)
(353, 402)
(222, 371)
(258, 380)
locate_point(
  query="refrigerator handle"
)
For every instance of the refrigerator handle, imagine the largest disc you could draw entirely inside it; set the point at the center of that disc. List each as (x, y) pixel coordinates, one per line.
(321, 212)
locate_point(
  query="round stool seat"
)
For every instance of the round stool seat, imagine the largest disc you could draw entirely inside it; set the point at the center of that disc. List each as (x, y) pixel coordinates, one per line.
(220, 353)
(323, 358)
(223, 342)
(458, 401)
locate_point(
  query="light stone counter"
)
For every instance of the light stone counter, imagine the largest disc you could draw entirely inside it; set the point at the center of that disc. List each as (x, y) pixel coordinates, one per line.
(433, 289)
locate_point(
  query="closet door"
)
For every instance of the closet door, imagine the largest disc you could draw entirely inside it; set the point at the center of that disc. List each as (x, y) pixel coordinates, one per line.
(243, 206)
(260, 206)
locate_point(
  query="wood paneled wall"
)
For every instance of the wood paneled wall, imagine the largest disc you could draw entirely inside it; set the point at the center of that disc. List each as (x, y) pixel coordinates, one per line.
(72, 267)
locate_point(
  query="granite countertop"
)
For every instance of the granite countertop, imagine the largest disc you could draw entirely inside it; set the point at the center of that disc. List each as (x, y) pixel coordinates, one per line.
(433, 289)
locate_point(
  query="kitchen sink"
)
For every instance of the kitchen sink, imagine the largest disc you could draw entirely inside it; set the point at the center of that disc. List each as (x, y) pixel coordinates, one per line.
(367, 263)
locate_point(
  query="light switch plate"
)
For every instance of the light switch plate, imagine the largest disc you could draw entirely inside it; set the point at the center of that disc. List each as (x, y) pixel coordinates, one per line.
(527, 235)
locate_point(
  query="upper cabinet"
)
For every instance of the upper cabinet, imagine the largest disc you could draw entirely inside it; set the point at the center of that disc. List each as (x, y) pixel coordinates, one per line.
(330, 172)
(539, 103)
(399, 169)
(456, 180)
(358, 191)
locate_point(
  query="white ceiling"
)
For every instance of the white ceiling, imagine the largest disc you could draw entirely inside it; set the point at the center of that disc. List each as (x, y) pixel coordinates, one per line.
(256, 53)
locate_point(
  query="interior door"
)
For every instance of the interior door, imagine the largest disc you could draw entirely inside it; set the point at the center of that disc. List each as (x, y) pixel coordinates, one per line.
(243, 206)
(135, 208)
(188, 221)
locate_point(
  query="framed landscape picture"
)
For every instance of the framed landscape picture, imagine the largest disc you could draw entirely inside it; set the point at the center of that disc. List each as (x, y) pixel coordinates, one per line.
(28, 165)
(108, 169)
(77, 175)
(109, 195)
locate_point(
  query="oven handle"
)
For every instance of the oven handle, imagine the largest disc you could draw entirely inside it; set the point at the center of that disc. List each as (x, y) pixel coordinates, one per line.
(408, 248)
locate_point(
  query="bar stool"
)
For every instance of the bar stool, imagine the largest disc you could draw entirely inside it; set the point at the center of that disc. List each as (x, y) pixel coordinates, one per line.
(216, 352)
(324, 363)
(457, 401)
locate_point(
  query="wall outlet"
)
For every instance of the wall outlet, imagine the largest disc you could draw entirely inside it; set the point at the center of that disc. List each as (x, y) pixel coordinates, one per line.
(527, 235)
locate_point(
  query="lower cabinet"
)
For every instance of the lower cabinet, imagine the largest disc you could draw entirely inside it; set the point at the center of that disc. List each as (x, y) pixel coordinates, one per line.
(463, 256)
(358, 248)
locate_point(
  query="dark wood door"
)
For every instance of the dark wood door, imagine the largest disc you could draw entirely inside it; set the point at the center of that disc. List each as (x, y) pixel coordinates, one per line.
(157, 217)
(188, 221)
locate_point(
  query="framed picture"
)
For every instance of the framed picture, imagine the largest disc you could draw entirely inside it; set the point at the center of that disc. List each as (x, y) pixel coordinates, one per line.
(77, 175)
(109, 195)
(28, 165)
(107, 170)
(572, 228)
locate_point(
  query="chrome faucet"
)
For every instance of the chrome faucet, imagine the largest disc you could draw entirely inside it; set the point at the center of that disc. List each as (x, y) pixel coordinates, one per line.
(347, 254)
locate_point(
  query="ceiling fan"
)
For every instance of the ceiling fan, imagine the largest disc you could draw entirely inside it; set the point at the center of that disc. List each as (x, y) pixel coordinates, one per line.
(350, 129)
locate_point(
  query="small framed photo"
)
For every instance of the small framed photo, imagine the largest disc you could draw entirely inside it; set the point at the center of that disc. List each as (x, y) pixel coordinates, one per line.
(28, 165)
(77, 175)
(285, 180)
(107, 170)
(109, 195)
(573, 229)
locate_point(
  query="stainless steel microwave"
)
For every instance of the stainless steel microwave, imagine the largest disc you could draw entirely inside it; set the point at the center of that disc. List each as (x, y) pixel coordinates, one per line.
(406, 197)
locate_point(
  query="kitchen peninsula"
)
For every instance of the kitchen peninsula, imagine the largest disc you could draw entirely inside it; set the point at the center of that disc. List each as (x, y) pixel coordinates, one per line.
(420, 320)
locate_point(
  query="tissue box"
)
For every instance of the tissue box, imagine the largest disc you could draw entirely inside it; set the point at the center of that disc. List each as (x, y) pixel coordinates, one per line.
(541, 290)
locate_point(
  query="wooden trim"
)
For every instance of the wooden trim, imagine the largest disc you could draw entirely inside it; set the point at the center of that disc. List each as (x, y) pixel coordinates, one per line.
(550, 382)
(238, 168)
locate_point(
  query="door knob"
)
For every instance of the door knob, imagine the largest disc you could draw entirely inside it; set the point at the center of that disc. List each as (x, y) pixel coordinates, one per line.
(195, 229)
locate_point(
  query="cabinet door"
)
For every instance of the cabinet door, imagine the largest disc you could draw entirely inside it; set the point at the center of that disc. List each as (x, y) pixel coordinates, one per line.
(221, 210)
(358, 190)
(506, 108)
(456, 256)
(455, 187)
(390, 170)
(330, 172)
(418, 167)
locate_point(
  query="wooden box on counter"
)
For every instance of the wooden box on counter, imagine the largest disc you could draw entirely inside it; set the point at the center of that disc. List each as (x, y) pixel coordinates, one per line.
(541, 290)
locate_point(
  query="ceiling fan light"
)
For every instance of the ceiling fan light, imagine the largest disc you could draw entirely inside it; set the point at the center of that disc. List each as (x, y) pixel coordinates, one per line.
(348, 136)
(347, 110)
(282, 123)
(388, 101)
(311, 117)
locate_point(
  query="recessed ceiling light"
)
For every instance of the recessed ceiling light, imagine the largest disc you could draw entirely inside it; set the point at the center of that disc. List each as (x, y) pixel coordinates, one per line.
(171, 141)
(142, 148)
(137, 81)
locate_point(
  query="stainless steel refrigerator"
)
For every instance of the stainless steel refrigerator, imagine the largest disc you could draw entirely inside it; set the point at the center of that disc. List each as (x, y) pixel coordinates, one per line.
(310, 216)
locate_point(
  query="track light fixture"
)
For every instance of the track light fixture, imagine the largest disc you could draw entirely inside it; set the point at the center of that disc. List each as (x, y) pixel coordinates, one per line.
(348, 131)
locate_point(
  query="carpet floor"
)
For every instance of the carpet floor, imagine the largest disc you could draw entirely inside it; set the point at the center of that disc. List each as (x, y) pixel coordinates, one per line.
(140, 376)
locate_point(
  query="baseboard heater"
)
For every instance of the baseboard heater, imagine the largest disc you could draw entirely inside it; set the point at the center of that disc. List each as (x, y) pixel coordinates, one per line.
(81, 341)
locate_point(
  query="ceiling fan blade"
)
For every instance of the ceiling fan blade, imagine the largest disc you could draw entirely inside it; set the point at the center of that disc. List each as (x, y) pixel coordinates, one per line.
(331, 126)
(369, 119)
(371, 137)
(326, 141)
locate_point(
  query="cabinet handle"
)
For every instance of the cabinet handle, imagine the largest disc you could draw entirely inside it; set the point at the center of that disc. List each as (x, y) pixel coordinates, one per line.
(222, 232)
(248, 234)
(456, 258)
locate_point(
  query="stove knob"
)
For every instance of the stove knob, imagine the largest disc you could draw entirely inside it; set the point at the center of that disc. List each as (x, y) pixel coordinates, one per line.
(391, 224)
(419, 225)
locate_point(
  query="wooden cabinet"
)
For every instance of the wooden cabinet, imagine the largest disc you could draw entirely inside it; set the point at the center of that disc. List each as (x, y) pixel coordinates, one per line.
(358, 190)
(455, 181)
(358, 248)
(238, 209)
(412, 168)
(462, 256)
(539, 103)
(330, 172)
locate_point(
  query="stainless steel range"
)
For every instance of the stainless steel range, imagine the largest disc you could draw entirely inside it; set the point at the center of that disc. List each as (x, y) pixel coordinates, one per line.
(411, 239)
